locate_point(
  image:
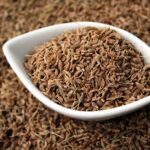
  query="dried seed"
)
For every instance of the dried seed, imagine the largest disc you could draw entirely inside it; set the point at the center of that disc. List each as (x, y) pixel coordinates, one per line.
(133, 130)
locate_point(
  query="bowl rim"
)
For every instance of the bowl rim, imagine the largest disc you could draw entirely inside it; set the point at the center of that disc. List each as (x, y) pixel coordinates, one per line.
(83, 115)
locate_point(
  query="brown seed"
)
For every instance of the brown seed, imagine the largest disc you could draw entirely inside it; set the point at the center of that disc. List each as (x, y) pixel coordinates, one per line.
(95, 72)
(40, 124)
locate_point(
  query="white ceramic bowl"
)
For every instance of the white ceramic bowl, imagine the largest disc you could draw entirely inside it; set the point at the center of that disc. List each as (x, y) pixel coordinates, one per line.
(16, 49)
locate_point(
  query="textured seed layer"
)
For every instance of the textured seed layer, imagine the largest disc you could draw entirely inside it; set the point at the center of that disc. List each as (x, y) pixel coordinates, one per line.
(25, 124)
(89, 69)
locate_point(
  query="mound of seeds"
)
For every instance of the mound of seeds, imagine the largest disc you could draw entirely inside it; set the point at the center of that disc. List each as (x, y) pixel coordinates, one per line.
(89, 69)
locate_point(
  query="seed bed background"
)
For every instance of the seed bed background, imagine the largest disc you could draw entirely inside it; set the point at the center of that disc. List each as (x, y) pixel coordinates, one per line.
(27, 124)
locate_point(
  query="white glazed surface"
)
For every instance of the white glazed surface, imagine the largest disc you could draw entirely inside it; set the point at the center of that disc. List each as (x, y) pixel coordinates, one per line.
(16, 49)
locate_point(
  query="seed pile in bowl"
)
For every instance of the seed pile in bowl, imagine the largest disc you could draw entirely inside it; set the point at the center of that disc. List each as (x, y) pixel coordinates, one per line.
(88, 69)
